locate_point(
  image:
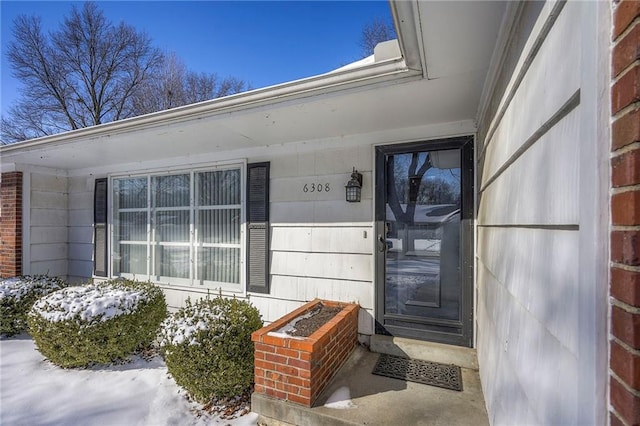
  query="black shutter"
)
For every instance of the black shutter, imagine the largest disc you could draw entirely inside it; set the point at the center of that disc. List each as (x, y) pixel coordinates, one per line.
(258, 227)
(100, 253)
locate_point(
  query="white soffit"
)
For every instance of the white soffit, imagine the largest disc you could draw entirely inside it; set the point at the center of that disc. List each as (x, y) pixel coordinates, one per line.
(459, 36)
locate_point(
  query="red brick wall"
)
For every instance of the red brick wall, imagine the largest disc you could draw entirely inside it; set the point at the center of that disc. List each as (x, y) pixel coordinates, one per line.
(10, 224)
(624, 383)
(298, 370)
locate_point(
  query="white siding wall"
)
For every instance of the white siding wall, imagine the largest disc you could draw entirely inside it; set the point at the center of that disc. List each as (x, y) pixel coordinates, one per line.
(80, 228)
(530, 225)
(48, 218)
(321, 246)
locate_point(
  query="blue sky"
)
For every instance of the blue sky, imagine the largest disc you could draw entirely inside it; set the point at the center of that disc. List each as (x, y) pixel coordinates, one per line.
(261, 42)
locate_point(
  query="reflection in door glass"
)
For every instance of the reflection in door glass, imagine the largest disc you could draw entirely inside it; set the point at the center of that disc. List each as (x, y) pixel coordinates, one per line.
(422, 224)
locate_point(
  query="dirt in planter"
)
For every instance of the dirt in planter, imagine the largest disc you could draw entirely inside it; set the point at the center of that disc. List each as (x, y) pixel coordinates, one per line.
(319, 316)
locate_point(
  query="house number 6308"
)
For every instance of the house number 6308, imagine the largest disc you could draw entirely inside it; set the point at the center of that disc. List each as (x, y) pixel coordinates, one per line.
(316, 187)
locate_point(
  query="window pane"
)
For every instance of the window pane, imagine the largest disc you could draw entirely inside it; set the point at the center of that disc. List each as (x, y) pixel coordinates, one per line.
(132, 259)
(170, 191)
(132, 226)
(219, 188)
(166, 208)
(172, 226)
(219, 226)
(172, 261)
(130, 193)
(219, 264)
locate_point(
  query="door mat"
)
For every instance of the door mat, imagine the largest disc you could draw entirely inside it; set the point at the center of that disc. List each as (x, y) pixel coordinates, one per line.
(429, 373)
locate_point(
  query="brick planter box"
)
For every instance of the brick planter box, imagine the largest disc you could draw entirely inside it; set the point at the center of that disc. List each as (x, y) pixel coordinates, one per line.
(297, 369)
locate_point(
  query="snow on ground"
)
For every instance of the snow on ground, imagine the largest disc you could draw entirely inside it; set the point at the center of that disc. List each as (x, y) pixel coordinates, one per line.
(35, 392)
(340, 399)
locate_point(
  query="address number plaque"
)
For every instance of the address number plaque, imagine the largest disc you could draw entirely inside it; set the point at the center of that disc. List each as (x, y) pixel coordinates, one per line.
(316, 187)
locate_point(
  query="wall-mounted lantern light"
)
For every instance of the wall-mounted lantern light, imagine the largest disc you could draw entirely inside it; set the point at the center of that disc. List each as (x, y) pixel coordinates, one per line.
(353, 188)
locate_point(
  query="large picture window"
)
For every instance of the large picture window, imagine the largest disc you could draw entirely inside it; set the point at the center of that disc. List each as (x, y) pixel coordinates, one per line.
(182, 228)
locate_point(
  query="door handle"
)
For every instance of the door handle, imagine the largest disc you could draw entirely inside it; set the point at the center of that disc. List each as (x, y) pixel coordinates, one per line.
(384, 245)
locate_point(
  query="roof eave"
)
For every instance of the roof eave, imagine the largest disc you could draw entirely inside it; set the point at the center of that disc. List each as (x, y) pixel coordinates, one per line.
(324, 83)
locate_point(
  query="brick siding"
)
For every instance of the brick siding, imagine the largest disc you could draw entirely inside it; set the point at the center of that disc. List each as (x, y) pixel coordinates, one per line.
(10, 224)
(624, 363)
(298, 370)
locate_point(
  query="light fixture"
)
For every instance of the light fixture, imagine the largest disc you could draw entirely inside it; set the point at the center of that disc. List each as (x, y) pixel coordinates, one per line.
(353, 188)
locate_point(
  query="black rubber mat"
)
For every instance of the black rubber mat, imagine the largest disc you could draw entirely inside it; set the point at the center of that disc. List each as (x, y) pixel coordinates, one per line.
(429, 373)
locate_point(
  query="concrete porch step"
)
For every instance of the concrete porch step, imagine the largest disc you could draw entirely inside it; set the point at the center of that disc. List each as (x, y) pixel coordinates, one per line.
(357, 397)
(425, 351)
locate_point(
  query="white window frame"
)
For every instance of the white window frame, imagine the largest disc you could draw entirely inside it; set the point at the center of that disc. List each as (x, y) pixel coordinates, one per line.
(193, 283)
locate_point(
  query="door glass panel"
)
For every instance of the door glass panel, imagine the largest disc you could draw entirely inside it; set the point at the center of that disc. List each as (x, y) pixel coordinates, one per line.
(422, 233)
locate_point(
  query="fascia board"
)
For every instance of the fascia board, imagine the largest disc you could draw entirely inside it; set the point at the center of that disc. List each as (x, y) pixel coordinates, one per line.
(406, 17)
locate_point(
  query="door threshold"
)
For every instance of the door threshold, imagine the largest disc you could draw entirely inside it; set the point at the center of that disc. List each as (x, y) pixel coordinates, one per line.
(426, 351)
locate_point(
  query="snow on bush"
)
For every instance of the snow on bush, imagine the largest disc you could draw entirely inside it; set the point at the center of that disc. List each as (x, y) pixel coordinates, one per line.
(97, 323)
(178, 329)
(17, 296)
(207, 347)
(95, 302)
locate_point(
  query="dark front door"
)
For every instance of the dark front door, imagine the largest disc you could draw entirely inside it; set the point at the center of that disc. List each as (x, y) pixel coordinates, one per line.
(424, 221)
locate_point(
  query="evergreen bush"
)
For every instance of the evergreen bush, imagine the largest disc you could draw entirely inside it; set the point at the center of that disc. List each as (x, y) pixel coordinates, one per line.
(207, 347)
(98, 323)
(17, 296)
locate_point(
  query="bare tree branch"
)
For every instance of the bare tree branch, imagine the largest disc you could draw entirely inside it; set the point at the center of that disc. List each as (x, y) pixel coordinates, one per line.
(84, 74)
(173, 85)
(91, 71)
(373, 33)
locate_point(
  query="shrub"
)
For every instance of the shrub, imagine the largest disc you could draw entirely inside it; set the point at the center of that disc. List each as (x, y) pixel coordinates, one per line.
(207, 347)
(17, 296)
(98, 323)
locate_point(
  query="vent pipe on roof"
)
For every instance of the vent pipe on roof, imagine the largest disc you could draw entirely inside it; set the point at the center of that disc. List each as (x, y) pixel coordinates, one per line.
(389, 49)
